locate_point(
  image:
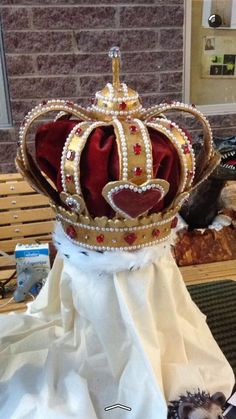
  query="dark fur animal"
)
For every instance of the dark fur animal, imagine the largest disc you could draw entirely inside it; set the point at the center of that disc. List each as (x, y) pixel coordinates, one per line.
(197, 406)
(204, 202)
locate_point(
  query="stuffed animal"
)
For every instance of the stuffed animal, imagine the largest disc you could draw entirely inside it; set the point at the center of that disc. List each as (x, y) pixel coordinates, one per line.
(198, 405)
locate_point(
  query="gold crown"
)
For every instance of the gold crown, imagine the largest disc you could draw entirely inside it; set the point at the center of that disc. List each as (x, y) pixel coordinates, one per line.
(136, 191)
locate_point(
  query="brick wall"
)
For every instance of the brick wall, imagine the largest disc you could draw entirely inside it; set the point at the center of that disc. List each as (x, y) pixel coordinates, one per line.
(58, 49)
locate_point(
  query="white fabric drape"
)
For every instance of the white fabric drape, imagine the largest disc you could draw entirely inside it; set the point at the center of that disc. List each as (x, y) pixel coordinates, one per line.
(88, 341)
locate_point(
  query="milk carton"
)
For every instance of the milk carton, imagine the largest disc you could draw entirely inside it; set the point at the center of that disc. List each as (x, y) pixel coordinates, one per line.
(32, 267)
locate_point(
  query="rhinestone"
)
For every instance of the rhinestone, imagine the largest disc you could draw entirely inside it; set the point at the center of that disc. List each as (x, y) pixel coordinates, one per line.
(70, 155)
(100, 238)
(69, 178)
(130, 238)
(174, 222)
(156, 232)
(122, 106)
(186, 148)
(138, 171)
(133, 129)
(71, 232)
(78, 131)
(137, 148)
(69, 103)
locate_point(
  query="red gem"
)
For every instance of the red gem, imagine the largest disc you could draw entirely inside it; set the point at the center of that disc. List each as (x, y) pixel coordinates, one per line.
(70, 155)
(78, 131)
(137, 148)
(69, 103)
(100, 239)
(190, 173)
(138, 171)
(122, 106)
(133, 129)
(156, 232)
(171, 126)
(174, 222)
(44, 102)
(130, 238)
(69, 178)
(71, 232)
(186, 148)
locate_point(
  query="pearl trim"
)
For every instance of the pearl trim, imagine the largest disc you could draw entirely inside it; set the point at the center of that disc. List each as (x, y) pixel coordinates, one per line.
(114, 113)
(116, 229)
(50, 106)
(139, 246)
(81, 144)
(113, 99)
(169, 134)
(138, 189)
(124, 149)
(64, 152)
(148, 148)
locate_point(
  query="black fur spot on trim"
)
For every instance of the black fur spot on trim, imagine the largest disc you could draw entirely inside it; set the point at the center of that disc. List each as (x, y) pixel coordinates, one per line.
(67, 256)
(84, 253)
(132, 267)
(99, 251)
(57, 242)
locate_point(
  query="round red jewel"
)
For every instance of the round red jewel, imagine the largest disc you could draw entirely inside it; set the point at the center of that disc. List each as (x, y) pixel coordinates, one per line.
(69, 103)
(186, 148)
(44, 102)
(100, 239)
(156, 232)
(70, 155)
(171, 126)
(174, 222)
(133, 129)
(69, 178)
(71, 232)
(138, 171)
(190, 173)
(78, 131)
(137, 148)
(122, 106)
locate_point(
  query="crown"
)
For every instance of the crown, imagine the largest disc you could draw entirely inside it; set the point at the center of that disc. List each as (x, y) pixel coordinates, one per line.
(123, 172)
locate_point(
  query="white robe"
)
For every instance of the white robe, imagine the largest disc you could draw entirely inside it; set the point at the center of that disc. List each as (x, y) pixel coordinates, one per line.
(112, 328)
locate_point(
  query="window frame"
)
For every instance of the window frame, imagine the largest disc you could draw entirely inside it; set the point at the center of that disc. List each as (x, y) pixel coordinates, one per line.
(5, 116)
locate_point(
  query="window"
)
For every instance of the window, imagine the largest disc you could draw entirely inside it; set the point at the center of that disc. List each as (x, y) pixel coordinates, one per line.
(5, 114)
(210, 55)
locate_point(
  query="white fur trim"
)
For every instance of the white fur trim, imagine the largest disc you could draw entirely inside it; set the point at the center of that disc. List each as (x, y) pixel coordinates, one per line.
(107, 262)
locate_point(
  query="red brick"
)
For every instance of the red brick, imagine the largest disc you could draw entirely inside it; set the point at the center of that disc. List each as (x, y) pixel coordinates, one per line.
(73, 17)
(171, 82)
(7, 168)
(171, 38)
(78, 2)
(30, 42)
(151, 16)
(7, 152)
(36, 87)
(15, 18)
(127, 40)
(73, 64)
(7, 135)
(19, 65)
(20, 108)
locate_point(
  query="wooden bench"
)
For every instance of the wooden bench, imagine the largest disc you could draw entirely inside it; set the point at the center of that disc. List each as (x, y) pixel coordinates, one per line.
(25, 217)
